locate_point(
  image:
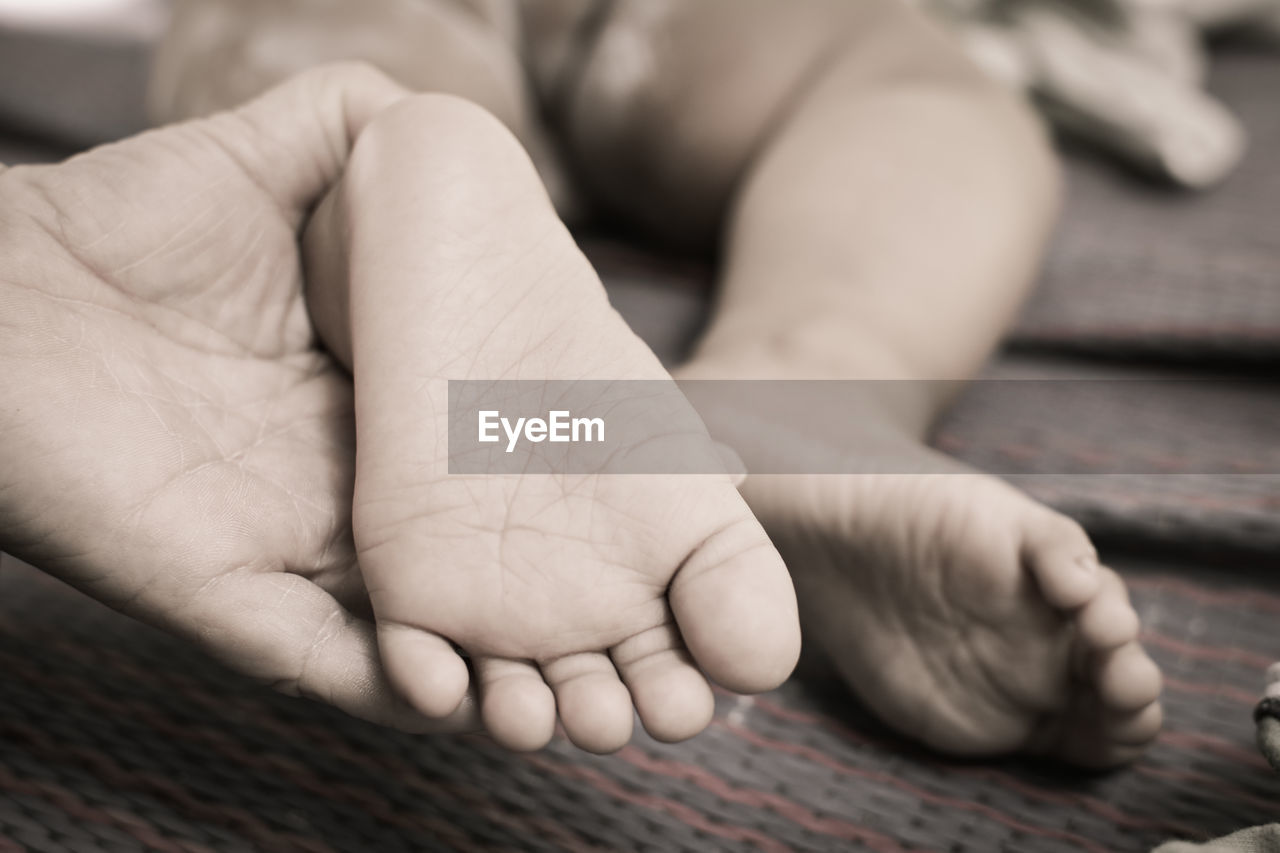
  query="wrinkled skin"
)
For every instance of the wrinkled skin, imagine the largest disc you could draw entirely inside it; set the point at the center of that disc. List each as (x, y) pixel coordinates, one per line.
(577, 595)
(172, 441)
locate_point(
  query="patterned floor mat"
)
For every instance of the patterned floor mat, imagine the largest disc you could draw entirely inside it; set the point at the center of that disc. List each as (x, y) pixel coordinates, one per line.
(1137, 267)
(115, 738)
(1162, 455)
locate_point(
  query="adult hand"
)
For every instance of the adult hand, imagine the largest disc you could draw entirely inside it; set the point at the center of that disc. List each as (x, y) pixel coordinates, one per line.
(172, 441)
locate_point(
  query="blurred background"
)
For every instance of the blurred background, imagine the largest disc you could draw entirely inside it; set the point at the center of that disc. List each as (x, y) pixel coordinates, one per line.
(1130, 77)
(73, 73)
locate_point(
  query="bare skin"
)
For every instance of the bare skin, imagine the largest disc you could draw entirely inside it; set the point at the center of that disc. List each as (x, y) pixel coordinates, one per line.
(574, 595)
(847, 151)
(903, 200)
(175, 443)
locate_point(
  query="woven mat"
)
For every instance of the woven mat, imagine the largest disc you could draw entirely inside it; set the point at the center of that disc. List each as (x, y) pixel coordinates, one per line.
(1157, 455)
(1139, 267)
(115, 738)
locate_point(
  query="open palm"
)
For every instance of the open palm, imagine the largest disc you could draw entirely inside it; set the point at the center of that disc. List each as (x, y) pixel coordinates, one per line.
(171, 440)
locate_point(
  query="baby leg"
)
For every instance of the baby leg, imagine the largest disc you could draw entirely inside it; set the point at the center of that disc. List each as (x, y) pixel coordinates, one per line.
(883, 208)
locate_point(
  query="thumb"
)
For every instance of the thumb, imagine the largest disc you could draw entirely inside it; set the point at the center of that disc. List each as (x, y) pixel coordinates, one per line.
(293, 141)
(282, 629)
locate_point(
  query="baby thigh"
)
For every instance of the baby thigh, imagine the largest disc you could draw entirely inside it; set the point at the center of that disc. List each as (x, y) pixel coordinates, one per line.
(219, 53)
(672, 101)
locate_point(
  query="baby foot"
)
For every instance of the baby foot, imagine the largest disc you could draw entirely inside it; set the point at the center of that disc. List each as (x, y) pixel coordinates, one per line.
(584, 595)
(963, 613)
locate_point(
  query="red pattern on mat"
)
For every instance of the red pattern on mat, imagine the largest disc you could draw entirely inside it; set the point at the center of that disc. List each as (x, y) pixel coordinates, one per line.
(73, 805)
(1228, 750)
(1222, 654)
(1244, 697)
(291, 770)
(1139, 498)
(1250, 599)
(692, 817)
(1181, 740)
(825, 760)
(783, 806)
(231, 748)
(1092, 461)
(642, 777)
(1197, 778)
(108, 769)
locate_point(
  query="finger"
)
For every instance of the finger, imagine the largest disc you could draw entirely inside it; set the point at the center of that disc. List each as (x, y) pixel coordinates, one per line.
(293, 141)
(284, 630)
(325, 273)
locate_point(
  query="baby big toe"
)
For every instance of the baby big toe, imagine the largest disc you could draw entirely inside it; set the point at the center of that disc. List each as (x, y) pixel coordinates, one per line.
(423, 668)
(594, 706)
(672, 697)
(1058, 553)
(736, 608)
(516, 705)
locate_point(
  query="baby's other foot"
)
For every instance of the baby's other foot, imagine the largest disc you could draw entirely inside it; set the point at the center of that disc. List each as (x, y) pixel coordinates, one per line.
(586, 594)
(962, 612)
(965, 614)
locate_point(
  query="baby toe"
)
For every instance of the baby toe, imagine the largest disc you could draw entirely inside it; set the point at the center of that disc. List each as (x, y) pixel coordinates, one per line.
(736, 608)
(1059, 555)
(424, 668)
(594, 706)
(671, 695)
(516, 704)
(1134, 729)
(1127, 678)
(1108, 620)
